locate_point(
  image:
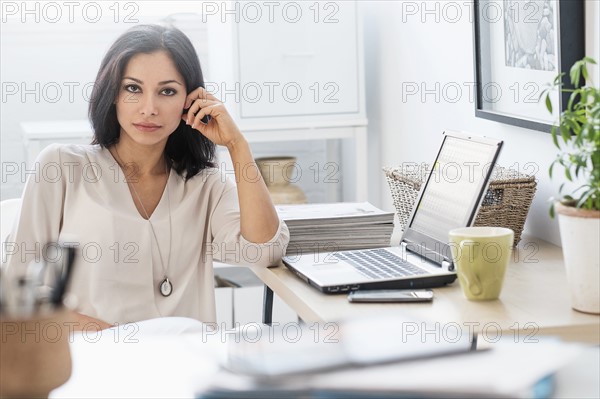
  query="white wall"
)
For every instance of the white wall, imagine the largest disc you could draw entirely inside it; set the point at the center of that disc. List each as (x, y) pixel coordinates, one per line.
(403, 48)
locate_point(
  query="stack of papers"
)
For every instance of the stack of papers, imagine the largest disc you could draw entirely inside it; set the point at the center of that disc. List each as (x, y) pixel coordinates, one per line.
(426, 370)
(336, 226)
(302, 348)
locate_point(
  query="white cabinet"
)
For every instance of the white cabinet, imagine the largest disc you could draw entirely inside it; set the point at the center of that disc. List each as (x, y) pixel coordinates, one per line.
(295, 75)
(305, 68)
(299, 68)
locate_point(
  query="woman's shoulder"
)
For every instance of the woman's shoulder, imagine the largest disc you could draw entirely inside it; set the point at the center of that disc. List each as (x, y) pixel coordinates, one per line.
(204, 174)
(212, 177)
(69, 153)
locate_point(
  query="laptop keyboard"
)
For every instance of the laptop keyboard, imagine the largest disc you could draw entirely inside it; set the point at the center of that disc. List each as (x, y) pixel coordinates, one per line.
(379, 263)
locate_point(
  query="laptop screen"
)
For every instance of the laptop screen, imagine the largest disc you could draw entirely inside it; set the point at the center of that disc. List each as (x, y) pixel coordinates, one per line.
(454, 187)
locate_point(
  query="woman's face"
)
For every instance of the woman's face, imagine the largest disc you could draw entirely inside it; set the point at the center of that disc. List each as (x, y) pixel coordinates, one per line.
(151, 98)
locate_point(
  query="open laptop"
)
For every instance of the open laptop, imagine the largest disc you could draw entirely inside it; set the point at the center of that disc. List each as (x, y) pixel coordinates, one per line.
(449, 198)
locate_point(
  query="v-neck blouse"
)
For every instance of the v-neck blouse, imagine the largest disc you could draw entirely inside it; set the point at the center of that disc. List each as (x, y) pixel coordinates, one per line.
(79, 194)
(119, 175)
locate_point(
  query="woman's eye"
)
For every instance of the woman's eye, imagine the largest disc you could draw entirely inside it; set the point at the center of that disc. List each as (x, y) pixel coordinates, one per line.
(169, 92)
(132, 88)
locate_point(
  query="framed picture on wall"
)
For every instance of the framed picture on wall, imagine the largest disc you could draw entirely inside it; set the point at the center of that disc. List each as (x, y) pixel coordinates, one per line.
(520, 47)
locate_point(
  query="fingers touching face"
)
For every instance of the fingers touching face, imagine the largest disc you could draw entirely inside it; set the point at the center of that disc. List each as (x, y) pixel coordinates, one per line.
(200, 103)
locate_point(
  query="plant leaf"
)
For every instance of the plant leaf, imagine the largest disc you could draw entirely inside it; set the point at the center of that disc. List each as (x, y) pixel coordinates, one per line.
(555, 136)
(585, 200)
(558, 79)
(565, 133)
(548, 103)
(579, 128)
(589, 60)
(576, 73)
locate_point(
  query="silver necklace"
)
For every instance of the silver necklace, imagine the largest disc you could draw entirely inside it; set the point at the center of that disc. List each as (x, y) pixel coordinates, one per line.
(165, 287)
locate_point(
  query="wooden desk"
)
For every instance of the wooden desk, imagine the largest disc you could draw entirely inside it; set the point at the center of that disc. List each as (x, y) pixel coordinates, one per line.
(534, 301)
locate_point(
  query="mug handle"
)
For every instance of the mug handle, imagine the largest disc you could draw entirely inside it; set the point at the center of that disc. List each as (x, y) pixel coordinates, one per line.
(472, 280)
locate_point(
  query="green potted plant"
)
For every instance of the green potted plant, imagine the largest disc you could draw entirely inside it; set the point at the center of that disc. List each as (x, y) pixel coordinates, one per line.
(577, 136)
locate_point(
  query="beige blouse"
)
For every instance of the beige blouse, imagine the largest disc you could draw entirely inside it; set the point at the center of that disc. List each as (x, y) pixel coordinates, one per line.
(79, 194)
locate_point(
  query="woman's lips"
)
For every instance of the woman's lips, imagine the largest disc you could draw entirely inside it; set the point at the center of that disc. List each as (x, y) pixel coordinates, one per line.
(146, 127)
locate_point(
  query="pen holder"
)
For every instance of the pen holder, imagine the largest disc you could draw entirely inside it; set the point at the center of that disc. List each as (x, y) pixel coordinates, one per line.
(34, 355)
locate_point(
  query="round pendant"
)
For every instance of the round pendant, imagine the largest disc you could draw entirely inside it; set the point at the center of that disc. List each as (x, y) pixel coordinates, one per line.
(165, 287)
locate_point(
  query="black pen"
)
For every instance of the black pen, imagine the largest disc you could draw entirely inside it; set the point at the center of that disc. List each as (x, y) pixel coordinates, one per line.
(68, 258)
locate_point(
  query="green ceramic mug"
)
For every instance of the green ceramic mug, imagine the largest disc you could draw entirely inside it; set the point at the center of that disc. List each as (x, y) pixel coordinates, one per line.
(480, 255)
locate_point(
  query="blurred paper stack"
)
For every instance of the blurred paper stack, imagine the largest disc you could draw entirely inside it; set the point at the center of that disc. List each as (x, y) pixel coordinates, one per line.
(336, 226)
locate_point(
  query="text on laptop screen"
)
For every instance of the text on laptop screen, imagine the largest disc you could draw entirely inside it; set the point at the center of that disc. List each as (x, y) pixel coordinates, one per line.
(452, 189)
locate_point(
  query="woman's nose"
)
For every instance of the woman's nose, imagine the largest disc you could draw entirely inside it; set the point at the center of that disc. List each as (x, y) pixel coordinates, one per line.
(149, 106)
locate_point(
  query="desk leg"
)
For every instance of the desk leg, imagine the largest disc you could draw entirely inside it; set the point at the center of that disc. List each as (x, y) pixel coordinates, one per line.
(267, 306)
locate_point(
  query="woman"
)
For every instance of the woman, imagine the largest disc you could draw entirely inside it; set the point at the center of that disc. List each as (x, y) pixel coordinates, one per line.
(144, 203)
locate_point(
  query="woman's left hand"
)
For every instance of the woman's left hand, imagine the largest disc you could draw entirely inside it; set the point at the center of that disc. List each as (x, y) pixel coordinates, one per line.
(221, 129)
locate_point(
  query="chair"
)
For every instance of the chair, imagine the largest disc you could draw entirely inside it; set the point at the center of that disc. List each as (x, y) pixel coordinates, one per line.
(9, 209)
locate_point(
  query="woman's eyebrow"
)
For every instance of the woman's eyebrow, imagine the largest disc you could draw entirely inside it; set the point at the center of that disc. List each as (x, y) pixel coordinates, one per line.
(164, 82)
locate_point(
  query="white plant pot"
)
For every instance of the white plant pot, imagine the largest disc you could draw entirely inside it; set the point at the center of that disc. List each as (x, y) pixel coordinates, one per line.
(580, 237)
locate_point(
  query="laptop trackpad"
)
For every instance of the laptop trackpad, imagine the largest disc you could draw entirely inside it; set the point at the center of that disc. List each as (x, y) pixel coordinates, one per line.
(325, 267)
(335, 274)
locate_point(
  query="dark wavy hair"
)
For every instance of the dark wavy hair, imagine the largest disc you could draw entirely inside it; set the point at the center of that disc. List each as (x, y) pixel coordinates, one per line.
(187, 150)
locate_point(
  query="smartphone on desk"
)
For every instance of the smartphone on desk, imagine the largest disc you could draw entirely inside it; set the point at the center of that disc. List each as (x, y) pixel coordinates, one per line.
(391, 296)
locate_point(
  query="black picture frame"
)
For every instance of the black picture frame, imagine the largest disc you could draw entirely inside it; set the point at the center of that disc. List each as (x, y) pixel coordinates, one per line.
(569, 46)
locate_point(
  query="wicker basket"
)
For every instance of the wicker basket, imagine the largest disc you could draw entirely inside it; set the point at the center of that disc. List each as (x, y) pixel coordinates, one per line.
(505, 204)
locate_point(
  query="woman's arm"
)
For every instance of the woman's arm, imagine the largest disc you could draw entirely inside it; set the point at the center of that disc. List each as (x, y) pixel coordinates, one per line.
(40, 215)
(258, 219)
(81, 322)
